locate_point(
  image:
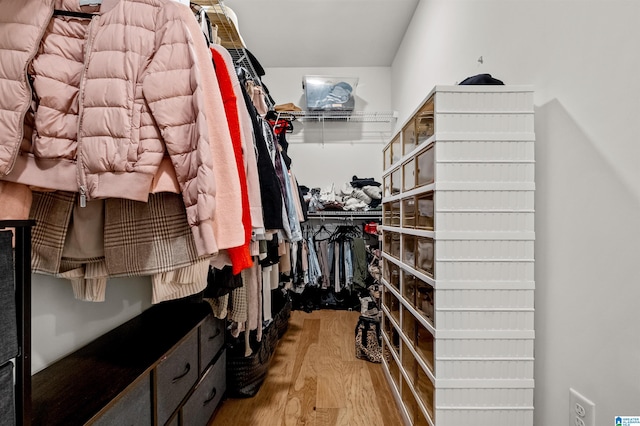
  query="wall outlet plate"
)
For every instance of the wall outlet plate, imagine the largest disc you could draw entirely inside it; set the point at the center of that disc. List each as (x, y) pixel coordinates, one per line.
(582, 411)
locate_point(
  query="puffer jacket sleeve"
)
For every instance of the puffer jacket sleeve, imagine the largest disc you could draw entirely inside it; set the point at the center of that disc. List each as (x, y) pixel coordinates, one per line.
(173, 90)
(21, 24)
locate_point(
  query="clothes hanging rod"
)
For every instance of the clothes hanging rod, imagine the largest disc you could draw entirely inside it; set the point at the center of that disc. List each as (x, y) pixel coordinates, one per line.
(346, 215)
(344, 116)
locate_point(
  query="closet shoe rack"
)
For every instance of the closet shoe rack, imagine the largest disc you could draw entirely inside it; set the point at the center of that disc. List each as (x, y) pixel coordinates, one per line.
(458, 258)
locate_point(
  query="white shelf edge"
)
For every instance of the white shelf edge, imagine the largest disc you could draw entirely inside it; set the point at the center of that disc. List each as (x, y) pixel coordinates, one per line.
(480, 285)
(395, 356)
(404, 377)
(485, 112)
(418, 400)
(411, 154)
(484, 161)
(409, 231)
(416, 314)
(484, 211)
(396, 394)
(486, 334)
(392, 320)
(423, 277)
(483, 260)
(410, 193)
(445, 137)
(476, 309)
(403, 373)
(496, 408)
(462, 186)
(464, 285)
(499, 236)
(485, 186)
(531, 359)
(485, 383)
(428, 371)
(464, 235)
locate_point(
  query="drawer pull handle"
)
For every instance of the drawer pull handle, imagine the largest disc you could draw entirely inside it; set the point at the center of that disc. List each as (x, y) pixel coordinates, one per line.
(212, 395)
(216, 334)
(187, 368)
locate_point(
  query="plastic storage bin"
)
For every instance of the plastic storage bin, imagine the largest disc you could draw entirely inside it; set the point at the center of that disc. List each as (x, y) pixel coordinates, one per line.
(391, 272)
(392, 335)
(392, 303)
(328, 93)
(409, 212)
(392, 366)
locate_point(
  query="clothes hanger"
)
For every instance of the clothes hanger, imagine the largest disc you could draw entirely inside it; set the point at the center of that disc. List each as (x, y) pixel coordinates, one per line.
(79, 15)
(273, 114)
(242, 73)
(352, 231)
(344, 232)
(279, 122)
(321, 229)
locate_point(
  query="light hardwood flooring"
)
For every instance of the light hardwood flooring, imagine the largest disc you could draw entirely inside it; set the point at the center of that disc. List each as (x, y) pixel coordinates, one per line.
(315, 379)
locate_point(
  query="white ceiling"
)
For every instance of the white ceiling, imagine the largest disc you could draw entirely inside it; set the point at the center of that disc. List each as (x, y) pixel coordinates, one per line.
(323, 33)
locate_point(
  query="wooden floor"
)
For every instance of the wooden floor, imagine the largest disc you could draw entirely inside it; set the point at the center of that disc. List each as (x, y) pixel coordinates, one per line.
(315, 379)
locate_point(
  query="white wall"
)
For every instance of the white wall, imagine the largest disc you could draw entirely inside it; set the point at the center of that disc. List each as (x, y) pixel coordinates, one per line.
(61, 324)
(582, 59)
(334, 152)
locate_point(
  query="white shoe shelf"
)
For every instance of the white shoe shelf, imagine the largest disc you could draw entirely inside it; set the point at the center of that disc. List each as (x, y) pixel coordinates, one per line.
(458, 258)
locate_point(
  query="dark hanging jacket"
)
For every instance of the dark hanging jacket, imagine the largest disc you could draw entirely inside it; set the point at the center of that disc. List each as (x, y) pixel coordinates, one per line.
(269, 182)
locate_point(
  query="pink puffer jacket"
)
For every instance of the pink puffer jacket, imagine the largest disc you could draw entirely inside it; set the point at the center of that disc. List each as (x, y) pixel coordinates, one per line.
(114, 93)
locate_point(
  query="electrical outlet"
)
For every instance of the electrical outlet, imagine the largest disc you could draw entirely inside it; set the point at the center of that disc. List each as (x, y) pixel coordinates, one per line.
(582, 412)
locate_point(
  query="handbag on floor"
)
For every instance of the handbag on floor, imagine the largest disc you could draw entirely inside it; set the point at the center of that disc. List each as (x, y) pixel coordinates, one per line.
(368, 339)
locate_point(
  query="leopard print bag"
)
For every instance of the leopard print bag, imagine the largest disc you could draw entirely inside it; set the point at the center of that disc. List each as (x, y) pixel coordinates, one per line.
(368, 339)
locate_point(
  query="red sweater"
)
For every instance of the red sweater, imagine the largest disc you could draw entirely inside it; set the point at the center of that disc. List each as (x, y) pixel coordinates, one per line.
(240, 256)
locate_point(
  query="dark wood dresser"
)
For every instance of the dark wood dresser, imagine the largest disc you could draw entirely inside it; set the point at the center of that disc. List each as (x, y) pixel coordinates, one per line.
(166, 366)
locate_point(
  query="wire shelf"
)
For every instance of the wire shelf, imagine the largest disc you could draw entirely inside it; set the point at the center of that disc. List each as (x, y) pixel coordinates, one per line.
(231, 39)
(346, 215)
(352, 116)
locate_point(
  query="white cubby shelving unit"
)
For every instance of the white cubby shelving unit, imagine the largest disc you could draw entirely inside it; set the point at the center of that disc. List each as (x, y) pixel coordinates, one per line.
(458, 258)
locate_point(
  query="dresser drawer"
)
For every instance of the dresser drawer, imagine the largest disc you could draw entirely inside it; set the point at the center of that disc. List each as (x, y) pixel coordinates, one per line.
(132, 409)
(174, 422)
(7, 410)
(200, 407)
(8, 327)
(211, 340)
(175, 375)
